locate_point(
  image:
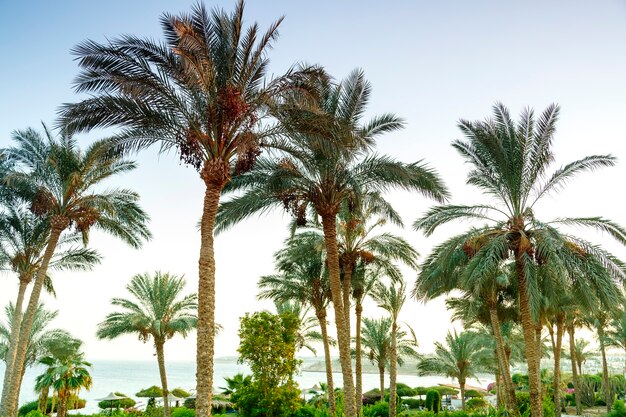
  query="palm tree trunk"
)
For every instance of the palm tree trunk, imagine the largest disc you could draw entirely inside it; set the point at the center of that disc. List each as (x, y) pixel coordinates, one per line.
(205, 346)
(557, 364)
(509, 397)
(161, 359)
(43, 400)
(528, 328)
(347, 291)
(10, 408)
(381, 375)
(15, 335)
(572, 352)
(499, 384)
(321, 317)
(329, 223)
(605, 371)
(539, 350)
(62, 410)
(393, 368)
(359, 357)
(462, 387)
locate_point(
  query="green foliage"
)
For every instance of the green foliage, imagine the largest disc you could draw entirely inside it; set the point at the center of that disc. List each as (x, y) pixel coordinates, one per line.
(588, 384)
(190, 403)
(380, 409)
(433, 401)
(403, 390)
(477, 403)
(123, 403)
(443, 390)
(414, 403)
(181, 393)
(183, 412)
(152, 392)
(523, 403)
(619, 409)
(472, 393)
(35, 413)
(267, 344)
(305, 411)
(73, 403)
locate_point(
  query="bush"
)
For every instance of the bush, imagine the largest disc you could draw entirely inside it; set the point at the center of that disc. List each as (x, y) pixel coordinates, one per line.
(472, 393)
(190, 403)
(183, 412)
(371, 397)
(414, 403)
(570, 399)
(35, 413)
(73, 403)
(523, 403)
(152, 392)
(380, 409)
(403, 390)
(305, 411)
(179, 392)
(477, 403)
(124, 403)
(619, 409)
(433, 401)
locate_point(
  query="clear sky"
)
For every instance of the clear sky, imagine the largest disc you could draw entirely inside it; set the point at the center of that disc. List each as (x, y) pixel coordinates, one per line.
(431, 62)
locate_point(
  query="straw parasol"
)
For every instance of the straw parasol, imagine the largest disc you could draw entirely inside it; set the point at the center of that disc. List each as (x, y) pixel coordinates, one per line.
(111, 397)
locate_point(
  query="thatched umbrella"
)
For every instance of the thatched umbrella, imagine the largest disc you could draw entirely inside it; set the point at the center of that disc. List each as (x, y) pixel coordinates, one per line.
(111, 397)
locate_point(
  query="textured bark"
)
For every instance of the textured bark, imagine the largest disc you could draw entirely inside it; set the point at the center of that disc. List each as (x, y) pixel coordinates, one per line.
(329, 222)
(509, 394)
(43, 400)
(462, 387)
(359, 357)
(499, 388)
(15, 335)
(62, 410)
(605, 371)
(393, 369)
(572, 352)
(528, 328)
(161, 359)
(347, 290)
(381, 375)
(557, 364)
(321, 317)
(10, 408)
(205, 346)
(539, 350)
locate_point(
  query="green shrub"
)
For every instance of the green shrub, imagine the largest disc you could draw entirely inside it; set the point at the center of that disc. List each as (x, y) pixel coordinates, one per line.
(477, 403)
(619, 409)
(380, 409)
(179, 392)
(183, 412)
(35, 413)
(414, 403)
(433, 401)
(472, 393)
(190, 403)
(599, 399)
(403, 390)
(152, 392)
(73, 403)
(305, 411)
(371, 397)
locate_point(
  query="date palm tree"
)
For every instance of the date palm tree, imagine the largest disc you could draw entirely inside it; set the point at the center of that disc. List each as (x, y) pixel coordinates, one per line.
(202, 92)
(23, 239)
(326, 162)
(391, 298)
(64, 185)
(157, 311)
(377, 341)
(510, 162)
(67, 372)
(303, 278)
(615, 336)
(460, 358)
(306, 334)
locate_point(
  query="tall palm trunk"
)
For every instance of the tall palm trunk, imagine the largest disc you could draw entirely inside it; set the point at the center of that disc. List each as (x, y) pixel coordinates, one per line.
(530, 344)
(509, 394)
(572, 353)
(347, 291)
(10, 408)
(499, 388)
(359, 359)
(393, 368)
(62, 410)
(381, 375)
(321, 317)
(605, 371)
(557, 364)
(161, 359)
(329, 222)
(462, 387)
(539, 350)
(42, 405)
(205, 346)
(15, 334)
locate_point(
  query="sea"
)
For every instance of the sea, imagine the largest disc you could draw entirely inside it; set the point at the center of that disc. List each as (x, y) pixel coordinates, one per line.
(129, 377)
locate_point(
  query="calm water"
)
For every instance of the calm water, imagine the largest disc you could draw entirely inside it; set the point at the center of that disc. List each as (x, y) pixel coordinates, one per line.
(130, 377)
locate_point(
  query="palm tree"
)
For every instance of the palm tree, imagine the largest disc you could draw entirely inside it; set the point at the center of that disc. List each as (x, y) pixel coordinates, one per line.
(600, 320)
(573, 320)
(158, 311)
(377, 341)
(67, 372)
(202, 92)
(615, 336)
(41, 337)
(324, 163)
(23, 239)
(582, 353)
(63, 185)
(235, 383)
(460, 358)
(391, 299)
(303, 278)
(509, 163)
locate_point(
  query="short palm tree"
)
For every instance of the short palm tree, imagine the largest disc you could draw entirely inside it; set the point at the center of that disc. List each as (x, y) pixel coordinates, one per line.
(158, 311)
(23, 238)
(235, 383)
(377, 341)
(303, 278)
(203, 92)
(460, 358)
(510, 162)
(392, 298)
(615, 336)
(326, 162)
(67, 372)
(306, 334)
(64, 185)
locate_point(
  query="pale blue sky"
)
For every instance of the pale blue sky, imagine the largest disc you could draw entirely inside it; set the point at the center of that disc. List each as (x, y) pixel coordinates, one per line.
(429, 62)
